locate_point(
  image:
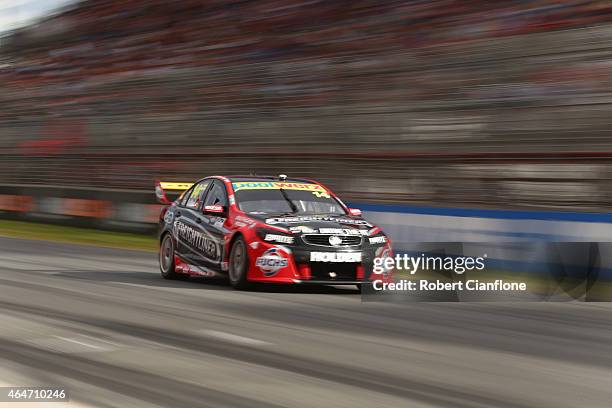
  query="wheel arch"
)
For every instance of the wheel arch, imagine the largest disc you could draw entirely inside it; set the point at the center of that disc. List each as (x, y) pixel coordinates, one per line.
(241, 281)
(163, 235)
(233, 239)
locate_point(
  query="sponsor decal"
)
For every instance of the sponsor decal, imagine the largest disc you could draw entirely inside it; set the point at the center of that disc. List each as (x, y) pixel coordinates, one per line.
(335, 256)
(200, 272)
(216, 222)
(241, 221)
(197, 240)
(183, 267)
(378, 240)
(277, 185)
(169, 217)
(245, 220)
(343, 231)
(232, 199)
(353, 221)
(254, 244)
(303, 229)
(295, 220)
(283, 239)
(174, 186)
(271, 261)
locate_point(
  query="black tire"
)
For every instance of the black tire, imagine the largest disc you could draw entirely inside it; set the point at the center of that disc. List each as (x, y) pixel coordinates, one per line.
(166, 259)
(239, 265)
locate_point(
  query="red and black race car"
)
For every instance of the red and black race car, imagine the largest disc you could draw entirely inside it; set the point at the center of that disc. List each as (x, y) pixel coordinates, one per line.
(266, 229)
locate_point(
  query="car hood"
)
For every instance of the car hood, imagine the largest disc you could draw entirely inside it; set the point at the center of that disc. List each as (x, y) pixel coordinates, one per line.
(317, 223)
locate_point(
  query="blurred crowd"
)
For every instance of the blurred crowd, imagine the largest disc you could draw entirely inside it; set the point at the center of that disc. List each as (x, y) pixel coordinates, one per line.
(150, 77)
(281, 53)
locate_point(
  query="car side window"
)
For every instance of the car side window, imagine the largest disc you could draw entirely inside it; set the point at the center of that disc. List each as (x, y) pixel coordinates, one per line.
(185, 197)
(216, 195)
(197, 194)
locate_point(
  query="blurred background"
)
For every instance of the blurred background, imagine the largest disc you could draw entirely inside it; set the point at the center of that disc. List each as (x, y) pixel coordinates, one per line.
(458, 121)
(452, 103)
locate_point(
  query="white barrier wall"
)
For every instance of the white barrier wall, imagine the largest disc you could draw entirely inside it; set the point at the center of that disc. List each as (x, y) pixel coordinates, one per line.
(404, 224)
(455, 226)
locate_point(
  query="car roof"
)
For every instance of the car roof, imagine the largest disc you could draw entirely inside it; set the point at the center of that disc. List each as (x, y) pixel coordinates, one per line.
(239, 178)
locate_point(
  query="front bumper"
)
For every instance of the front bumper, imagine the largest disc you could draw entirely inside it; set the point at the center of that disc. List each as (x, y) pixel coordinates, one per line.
(299, 269)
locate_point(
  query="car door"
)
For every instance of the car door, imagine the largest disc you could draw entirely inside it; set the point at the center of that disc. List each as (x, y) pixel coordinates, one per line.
(214, 216)
(187, 224)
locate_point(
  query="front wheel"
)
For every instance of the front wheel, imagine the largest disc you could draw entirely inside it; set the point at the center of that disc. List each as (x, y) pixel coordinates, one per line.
(239, 265)
(166, 258)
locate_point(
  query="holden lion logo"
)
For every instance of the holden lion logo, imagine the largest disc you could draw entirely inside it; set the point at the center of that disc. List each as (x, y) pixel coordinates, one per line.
(335, 240)
(270, 262)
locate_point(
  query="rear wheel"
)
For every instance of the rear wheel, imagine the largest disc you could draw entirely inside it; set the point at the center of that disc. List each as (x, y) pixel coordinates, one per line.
(166, 258)
(239, 265)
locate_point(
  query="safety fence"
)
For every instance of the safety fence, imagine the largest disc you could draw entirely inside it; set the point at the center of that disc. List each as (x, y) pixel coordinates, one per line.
(579, 181)
(405, 224)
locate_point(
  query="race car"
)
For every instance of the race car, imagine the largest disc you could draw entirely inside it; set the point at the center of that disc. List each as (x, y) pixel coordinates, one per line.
(255, 229)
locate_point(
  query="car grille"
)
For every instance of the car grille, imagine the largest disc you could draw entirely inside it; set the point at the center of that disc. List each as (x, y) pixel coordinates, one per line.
(323, 240)
(325, 271)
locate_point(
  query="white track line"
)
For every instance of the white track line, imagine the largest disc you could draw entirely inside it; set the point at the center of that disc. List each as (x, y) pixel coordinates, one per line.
(234, 338)
(79, 342)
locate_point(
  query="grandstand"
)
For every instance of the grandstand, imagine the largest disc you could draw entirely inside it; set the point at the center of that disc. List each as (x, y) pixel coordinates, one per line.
(466, 103)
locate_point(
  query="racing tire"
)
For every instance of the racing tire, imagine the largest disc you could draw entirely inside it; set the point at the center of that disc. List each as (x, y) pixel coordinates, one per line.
(239, 265)
(166, 259)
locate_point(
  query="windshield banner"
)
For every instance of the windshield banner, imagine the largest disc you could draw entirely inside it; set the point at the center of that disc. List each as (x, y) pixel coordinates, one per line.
(276, 185)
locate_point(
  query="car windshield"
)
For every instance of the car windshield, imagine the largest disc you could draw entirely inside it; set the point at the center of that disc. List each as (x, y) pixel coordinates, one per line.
(285, 198)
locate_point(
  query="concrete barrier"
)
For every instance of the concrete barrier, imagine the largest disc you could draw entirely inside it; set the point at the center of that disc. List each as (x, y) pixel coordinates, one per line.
(407, 224)
(137, 211)
(112, 210)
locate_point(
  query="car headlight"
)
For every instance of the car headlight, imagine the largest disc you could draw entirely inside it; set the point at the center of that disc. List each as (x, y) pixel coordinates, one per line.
(269, 235)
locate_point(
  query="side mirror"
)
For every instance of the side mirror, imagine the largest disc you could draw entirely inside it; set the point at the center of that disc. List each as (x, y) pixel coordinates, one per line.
(355, 211)
(214, 209)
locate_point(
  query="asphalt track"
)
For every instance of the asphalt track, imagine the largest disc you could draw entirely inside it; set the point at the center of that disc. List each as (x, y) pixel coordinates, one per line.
(103, 324)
